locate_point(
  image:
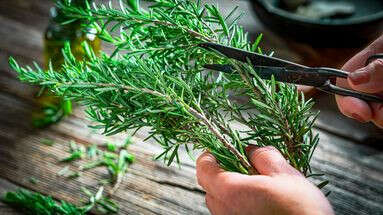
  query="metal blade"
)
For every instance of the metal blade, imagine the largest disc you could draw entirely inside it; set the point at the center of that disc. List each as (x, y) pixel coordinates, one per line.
(302, 77)
(219, 67)
(255, 59)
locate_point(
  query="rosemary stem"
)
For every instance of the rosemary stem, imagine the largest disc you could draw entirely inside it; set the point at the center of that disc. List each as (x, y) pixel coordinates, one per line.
(228, 145)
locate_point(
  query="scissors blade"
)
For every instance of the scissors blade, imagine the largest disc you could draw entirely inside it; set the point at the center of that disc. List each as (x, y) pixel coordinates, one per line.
(255, 59)
(301, 76)
(309, 77)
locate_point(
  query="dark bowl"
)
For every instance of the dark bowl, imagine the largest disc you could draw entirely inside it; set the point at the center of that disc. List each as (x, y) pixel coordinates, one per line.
(364, 25)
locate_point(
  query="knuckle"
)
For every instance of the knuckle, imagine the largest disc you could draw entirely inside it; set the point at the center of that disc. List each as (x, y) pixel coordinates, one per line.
(276, 163)
(202, 166)
(377, 45)
(266, 153)
(270, 149)
(377, 65)
(200, 159)
(342, 105)
(280, 166)
(203, 162)
(207, 169)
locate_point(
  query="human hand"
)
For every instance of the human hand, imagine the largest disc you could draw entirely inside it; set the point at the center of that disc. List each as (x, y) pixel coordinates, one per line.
(367, 79)
(279, 189)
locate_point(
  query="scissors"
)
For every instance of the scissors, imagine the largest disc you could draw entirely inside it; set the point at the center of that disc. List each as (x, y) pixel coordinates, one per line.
(289, 72)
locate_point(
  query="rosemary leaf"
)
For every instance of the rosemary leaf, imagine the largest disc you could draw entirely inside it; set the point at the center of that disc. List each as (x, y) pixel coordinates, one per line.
(155, 77)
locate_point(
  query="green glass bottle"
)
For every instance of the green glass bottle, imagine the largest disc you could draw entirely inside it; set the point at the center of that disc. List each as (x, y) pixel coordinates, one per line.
(51, 108)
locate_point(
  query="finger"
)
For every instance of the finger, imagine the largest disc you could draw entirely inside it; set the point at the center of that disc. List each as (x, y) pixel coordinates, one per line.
(355, 108)
(219, 183)
(376, 46)
(349, 106)
(216, 206)
(208, 172)
(269, 161)
(306, 90)
(368, 79)
(377, 114)
(359, 60)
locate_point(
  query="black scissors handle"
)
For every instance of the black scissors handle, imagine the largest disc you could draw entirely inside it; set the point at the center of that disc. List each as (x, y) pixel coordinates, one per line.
(332, 89)
(374, 57)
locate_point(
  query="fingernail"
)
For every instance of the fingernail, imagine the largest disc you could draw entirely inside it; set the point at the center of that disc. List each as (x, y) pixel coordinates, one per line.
(360, 76)
(357, 117)
(250, 150)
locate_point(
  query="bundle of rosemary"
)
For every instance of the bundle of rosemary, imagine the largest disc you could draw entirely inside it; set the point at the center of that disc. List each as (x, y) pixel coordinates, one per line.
(155, 78)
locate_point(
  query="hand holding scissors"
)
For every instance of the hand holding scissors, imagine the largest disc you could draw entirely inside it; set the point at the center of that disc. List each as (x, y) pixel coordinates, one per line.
(285, 71)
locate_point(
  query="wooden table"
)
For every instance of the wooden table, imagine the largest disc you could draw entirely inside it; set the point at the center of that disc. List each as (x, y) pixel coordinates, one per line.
(350, 154)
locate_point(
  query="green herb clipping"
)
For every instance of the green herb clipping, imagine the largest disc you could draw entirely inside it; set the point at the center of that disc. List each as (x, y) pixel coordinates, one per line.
(155, 78)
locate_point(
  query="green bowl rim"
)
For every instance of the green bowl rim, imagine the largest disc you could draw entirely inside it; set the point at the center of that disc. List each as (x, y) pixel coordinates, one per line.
(352, 21)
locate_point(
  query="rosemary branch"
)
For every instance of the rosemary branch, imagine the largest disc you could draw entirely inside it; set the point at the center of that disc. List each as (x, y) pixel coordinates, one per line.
(231, 148)
(155, 77)
(192, 111)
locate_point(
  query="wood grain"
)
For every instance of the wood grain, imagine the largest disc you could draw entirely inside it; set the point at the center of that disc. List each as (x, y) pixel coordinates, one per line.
(149, 188)
(354, 171)
(354, 168)
(6, 186)
(32, 13)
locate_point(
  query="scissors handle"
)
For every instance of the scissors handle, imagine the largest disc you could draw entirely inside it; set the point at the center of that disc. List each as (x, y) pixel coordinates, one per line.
(374, 57)
(333, 89)
(330, 88)
(285, 71)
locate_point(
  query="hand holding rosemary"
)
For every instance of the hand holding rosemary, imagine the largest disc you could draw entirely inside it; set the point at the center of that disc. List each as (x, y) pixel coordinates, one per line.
(278, 189)
(155, 78)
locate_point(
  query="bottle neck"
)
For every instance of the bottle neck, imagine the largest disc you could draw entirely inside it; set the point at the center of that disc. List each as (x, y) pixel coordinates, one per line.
(57, 31)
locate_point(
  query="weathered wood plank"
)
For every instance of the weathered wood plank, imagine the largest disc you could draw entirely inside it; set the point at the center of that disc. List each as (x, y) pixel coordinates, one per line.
(333, 121)
(33, 13)
(20, 39)
(144, 190)
(6, 186)
(355, 171)
(6, 210)
(150, 187)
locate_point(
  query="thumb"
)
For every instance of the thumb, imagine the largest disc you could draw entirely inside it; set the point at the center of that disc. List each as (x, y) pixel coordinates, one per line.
(368, 79)
(269, 161)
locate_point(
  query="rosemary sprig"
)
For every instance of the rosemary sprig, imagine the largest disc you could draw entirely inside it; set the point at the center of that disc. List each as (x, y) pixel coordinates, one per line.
(38, 204)
(155, 77)
(114, 158)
